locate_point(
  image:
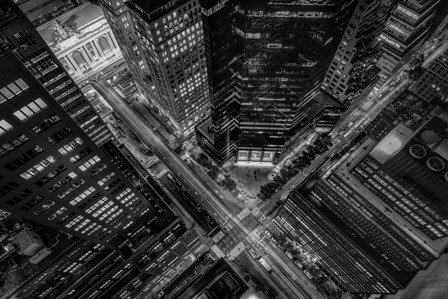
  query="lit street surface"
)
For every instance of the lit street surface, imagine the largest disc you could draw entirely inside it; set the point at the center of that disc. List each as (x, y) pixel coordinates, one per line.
(294, 282)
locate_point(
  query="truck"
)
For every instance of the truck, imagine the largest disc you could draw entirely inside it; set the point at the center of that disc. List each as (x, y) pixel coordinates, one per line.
(265, 264)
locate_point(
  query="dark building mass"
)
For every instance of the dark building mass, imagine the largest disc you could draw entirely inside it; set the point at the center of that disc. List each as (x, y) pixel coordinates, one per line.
(223, 149)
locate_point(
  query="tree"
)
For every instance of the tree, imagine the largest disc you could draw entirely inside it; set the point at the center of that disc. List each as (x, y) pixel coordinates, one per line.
(213, 172)
(279, 180)
(415, 73)
(267, 190)
(417, 60)
(228, 183)
(204, 161)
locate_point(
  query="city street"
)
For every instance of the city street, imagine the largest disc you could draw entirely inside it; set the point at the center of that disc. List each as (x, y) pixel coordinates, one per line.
(286, 276)
(210, 201)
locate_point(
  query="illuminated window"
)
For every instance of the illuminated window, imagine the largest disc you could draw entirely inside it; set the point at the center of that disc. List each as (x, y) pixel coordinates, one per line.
(31, 109)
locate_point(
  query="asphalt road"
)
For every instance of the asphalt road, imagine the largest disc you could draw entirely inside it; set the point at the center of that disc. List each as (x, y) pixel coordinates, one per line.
(211, 202)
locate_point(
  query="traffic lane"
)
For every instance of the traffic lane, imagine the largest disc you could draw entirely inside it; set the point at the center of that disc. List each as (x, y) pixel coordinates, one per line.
(173, 161)
(298, 277)
(202, 217)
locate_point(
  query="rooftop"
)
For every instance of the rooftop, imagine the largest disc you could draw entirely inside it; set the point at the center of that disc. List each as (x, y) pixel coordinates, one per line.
(204, 126)
(391, 143)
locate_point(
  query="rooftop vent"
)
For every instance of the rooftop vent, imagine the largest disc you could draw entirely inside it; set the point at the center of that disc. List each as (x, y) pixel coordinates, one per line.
(417, 151)
(435, 164)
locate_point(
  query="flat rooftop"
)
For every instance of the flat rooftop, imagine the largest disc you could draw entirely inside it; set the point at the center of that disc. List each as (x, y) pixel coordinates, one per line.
(391, 143)
(203, 128)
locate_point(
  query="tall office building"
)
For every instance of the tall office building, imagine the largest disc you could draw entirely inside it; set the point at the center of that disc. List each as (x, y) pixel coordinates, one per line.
(273, 75)
(389, 199)
(52, 172)
(89, 270)
(120, 21)
(406, 27)
(353, 263)
(353, 68)
(218, 134)
(34, 54)
(433, 83)
(170, 43)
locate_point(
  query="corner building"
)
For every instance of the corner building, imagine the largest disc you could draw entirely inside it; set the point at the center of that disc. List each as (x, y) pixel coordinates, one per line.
(283, 52)
(287, 50)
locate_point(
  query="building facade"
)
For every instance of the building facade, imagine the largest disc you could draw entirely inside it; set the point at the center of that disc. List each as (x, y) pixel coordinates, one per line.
(89, 270)
(169, 44)
(218, 134)
(433, 83)
(77, 33)
(21, 37)
(287, 50)
(263, 87)
(406, 28)
(353, 68)
(387, 198)
(353, 264)
(53, 173)
(82, 41)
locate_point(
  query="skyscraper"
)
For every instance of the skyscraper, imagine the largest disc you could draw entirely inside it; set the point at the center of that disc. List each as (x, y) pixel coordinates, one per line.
(218, 134)
(354, 65)
(130, 242)
(280, 53)
(406, 27)
(52, 172)
(34, 54)
(171, 45)
(351, 262)
(120, 22)
(388, 199)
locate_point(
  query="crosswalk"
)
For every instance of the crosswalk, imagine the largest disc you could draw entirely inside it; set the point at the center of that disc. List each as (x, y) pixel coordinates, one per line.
(236, 251)
(243, 214)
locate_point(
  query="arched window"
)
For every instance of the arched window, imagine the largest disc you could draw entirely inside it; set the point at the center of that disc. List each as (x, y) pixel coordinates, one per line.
(104, 44)
(80, 60)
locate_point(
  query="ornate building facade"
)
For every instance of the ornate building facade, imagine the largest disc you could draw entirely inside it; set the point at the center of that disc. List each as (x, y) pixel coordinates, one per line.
(82, 40)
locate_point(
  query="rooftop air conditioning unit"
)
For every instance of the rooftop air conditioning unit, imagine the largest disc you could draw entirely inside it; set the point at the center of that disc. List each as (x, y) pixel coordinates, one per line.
(417, 151)
(435, 164)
